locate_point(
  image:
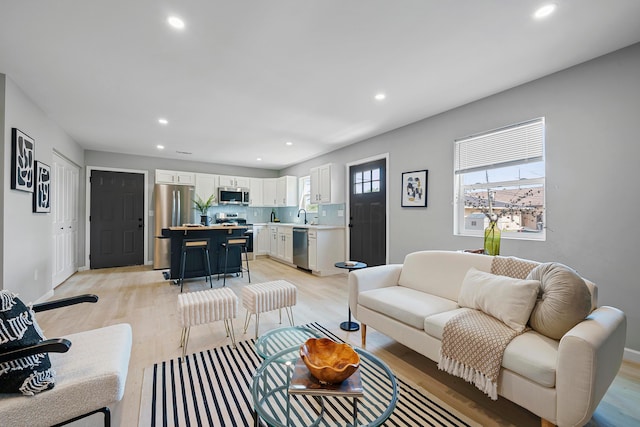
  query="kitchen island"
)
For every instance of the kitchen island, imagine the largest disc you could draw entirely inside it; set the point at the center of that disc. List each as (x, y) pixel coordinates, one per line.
(217, 234)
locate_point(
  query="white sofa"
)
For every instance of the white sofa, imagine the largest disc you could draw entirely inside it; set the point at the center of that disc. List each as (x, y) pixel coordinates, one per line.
(562, 381)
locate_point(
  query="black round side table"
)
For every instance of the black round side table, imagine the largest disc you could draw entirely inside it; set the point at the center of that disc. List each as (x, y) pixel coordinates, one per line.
(349, 325)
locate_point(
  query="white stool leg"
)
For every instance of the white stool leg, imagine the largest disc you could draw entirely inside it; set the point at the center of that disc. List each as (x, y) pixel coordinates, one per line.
(247, 319)
(289, 311)
(186, 342)
(257, 323)
(228, 323)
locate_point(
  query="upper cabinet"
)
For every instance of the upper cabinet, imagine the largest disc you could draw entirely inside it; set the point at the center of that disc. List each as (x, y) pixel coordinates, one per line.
(206, 185)
(256, 192)
(269, 196)
(174, 177)
(287, 191)
(234, 181)
(327, 184)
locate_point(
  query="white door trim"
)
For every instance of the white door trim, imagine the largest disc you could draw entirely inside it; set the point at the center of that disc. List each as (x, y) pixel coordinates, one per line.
(88, 209)
(348, 200)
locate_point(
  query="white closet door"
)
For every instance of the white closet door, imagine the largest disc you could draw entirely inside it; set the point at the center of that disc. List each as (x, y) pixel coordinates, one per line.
(64, 210)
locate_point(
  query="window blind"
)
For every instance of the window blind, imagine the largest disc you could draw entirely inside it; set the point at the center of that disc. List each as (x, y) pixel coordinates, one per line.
(501, 147)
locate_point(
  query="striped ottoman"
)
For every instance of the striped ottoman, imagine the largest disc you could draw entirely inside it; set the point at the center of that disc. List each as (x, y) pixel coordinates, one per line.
(268, 296)
(197, 308)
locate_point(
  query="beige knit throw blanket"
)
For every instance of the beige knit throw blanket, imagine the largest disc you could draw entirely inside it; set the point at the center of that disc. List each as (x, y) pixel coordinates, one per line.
(473, 344)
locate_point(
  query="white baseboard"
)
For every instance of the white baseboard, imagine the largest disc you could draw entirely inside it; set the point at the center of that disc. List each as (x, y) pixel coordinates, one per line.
(83, 268)
(631, 355)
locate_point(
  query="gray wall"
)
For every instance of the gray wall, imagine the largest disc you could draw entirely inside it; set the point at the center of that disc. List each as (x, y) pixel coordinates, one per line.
(26, 241)
(593, 121)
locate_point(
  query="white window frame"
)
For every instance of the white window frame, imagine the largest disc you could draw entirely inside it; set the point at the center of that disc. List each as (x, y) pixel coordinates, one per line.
(511, 145)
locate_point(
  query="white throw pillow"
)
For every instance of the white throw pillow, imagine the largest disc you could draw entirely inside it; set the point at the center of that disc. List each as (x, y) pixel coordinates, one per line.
(507, 299)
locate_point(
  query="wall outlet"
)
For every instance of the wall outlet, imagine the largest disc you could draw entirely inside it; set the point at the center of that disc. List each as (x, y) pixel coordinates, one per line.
(150, 213)
(340, 212)
(35, 275)
(324, 213)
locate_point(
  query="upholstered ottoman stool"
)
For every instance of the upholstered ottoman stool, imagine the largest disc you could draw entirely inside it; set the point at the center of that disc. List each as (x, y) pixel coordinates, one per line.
(268, 296)
(197, 308)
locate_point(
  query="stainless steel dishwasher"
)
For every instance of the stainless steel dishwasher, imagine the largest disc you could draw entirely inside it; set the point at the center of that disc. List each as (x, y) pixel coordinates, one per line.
(301, 247)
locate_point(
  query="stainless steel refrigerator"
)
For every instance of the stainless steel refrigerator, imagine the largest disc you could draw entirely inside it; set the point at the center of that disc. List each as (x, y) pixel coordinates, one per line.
(173, 207)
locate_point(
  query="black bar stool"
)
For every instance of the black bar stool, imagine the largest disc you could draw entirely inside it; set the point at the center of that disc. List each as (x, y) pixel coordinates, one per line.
(241, 243)
(189, 245)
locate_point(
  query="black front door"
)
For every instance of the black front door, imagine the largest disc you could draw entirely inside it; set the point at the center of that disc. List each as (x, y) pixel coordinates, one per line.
(367, 212)
(117, 219)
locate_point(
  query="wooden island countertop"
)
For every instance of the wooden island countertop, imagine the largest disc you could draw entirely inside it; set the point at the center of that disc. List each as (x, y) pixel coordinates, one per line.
(207, 227)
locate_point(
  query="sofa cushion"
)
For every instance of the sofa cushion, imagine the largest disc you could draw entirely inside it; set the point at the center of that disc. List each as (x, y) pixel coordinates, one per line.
(440, 272)
(531, 355)
(507, 299)
(564, 300)
(404, 304)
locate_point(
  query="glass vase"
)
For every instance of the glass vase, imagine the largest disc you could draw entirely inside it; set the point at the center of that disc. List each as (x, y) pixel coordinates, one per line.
(492, 239)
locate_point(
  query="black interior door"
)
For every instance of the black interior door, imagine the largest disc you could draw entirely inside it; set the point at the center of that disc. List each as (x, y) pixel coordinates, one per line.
(368, 212)
(117, 219)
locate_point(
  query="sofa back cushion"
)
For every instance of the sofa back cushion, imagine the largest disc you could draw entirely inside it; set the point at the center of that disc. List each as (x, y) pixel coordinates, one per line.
(440, 273)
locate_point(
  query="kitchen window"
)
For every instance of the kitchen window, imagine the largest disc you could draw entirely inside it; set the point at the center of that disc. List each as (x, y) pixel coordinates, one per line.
(501, 173)
(304, 186)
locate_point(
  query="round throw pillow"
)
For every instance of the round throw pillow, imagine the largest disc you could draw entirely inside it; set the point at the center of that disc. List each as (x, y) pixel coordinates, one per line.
(563, 301)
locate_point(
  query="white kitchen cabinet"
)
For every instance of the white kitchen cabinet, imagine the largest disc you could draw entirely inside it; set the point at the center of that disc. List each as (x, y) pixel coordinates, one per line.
(326, 247)
(256, 192)
(269, 194)
(234, 181)
(261, 240)
(273, 241)
(175, 177)
(327, 184)
(312, 249)
(287, 191)
(206, 185)
(285, 244)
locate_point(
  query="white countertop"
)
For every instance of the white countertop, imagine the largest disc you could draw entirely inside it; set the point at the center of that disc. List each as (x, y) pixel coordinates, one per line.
(297, 225)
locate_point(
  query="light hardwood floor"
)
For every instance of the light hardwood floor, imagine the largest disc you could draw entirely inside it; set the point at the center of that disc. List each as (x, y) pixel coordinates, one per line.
(141, 297)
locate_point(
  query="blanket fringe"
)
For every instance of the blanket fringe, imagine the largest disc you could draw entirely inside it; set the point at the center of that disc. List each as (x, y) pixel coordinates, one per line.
(469, 374)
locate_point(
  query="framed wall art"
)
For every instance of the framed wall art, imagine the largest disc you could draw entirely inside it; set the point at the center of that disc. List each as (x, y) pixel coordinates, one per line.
(42, 193)
(414, 189)
(22, 161)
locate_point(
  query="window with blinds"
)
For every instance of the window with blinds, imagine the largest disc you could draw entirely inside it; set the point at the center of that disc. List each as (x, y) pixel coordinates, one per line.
(501, 174)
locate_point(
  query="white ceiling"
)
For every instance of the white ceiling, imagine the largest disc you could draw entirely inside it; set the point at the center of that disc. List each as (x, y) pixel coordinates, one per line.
(244, 77)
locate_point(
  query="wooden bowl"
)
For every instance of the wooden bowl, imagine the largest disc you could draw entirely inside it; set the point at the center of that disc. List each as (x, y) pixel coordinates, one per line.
(328, 361)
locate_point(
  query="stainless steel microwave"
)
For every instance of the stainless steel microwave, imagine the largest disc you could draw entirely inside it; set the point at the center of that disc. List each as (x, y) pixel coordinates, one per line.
(233, 196)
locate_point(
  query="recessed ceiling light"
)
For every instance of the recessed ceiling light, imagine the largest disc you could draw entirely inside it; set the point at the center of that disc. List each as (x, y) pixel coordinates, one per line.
(160, 147)
(175, 22)
(163, 121)
(289, 143)
(259, 159)
(380, 96)
(545, 11)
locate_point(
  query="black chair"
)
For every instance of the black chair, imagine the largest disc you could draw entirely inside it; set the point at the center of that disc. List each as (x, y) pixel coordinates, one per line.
(241, 242)
(190, 245)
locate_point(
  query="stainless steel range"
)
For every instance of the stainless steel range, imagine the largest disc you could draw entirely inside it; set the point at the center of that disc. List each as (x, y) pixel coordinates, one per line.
(225, 218)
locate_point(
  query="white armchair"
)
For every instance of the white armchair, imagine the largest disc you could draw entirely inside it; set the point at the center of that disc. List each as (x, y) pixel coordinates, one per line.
(91, 371)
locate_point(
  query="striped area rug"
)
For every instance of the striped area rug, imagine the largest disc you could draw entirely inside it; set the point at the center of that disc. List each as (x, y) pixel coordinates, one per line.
(213, 388)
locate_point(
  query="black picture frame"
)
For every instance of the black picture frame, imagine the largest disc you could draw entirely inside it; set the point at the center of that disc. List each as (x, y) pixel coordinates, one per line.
(22, 161)
(42, 193)
(414, 189)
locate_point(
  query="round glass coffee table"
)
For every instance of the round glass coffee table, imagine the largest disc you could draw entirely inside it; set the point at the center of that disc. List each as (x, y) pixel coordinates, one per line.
(277, 406)
(280, 339)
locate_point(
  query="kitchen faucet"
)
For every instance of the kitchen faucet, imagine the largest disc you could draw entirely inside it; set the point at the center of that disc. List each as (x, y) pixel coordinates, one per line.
(305, 214)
